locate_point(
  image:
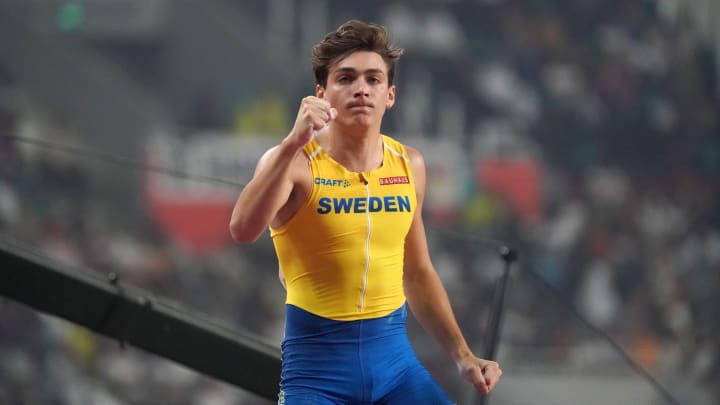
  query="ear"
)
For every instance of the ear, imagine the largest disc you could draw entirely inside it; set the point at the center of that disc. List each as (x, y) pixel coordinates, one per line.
(319, 91)
(391, 98)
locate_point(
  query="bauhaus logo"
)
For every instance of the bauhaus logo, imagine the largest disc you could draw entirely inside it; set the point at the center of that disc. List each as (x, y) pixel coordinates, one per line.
(394, 180)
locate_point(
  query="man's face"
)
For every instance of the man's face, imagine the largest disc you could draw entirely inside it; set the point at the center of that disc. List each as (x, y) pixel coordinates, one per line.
(357, 87)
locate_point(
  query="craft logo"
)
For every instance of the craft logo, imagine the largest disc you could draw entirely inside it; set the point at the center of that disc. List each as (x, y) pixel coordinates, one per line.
(384, 181)
(332, 182)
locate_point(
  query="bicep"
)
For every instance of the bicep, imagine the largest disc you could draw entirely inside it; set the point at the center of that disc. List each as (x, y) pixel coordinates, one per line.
(281, 277)
(282, 186)
(266, 162)
(417, 256)
(265, 196)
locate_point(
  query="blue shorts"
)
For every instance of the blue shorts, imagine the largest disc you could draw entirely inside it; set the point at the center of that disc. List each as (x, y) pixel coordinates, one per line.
(365, 362)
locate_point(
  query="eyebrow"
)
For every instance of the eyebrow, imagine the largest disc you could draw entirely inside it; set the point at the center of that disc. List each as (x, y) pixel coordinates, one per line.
(373, 71)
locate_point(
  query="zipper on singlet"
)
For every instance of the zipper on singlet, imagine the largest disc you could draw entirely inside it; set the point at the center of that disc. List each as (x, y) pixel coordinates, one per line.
(367, 248)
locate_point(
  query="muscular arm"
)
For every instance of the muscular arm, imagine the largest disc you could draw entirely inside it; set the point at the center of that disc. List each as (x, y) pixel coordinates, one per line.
(280, 169)
(428, 298)
(266, 193)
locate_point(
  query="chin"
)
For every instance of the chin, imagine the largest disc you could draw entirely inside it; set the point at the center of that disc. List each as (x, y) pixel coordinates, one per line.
(362, 120)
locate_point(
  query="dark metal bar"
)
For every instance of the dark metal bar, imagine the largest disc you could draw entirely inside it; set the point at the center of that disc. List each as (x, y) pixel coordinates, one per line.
(131, 315)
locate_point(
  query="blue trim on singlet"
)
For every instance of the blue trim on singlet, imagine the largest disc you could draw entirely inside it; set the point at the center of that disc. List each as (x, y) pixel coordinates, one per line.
(362, 362)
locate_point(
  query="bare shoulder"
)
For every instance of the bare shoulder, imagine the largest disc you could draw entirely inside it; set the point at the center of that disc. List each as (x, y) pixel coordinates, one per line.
(298, 166)
(272, 153)
(266, 157)
(417, 160)
(413, 153)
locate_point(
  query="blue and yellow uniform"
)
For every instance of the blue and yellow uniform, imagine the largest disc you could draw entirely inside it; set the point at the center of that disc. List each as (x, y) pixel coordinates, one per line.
(342, 258)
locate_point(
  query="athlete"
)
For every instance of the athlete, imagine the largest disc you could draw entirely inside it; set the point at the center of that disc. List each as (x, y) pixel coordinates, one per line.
(343, 203)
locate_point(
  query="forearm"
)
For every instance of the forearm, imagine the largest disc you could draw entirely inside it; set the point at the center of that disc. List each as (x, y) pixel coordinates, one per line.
(431, 307)
(264, 195)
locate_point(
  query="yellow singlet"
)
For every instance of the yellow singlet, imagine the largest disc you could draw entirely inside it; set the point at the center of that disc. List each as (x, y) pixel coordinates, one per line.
(342, 252)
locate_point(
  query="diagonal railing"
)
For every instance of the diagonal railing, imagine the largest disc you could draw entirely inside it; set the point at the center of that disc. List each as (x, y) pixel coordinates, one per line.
(132, 315)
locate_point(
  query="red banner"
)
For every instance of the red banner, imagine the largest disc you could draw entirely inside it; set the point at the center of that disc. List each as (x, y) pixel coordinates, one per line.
(193, 205)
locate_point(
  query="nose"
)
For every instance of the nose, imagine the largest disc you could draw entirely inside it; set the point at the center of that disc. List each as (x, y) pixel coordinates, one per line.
(361, 89)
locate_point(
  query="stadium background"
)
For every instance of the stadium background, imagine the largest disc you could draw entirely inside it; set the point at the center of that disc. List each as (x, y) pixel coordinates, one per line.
(583, 133)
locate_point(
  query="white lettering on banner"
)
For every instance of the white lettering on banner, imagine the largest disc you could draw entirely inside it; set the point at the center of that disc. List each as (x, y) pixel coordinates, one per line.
(194, 163)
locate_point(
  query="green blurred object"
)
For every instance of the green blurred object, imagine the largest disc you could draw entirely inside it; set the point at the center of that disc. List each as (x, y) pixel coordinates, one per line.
(70, 16)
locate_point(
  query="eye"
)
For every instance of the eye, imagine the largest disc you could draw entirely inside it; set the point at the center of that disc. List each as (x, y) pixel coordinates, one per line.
(344, 79)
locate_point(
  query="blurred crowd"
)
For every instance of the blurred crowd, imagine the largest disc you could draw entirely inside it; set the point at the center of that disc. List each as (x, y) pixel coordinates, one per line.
(617, 105)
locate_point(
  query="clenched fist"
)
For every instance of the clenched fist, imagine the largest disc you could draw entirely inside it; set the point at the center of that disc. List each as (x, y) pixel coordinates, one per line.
(314, 115)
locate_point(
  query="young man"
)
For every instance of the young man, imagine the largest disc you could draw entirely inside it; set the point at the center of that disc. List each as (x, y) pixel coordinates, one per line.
(344, 204)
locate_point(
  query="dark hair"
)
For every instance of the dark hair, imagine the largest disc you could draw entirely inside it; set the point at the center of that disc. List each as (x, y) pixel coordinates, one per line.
(350, 37)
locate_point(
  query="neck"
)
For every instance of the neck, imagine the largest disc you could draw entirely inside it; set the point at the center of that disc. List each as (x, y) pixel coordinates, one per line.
(357, 152)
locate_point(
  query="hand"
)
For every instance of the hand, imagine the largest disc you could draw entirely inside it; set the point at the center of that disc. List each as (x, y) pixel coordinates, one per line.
(483, 374)
(314, 115)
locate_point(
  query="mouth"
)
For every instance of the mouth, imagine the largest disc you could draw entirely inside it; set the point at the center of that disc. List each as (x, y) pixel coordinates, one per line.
(359, 106)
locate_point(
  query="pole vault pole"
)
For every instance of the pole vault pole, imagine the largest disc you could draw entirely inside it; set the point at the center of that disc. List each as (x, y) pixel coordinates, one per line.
(508, 256)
